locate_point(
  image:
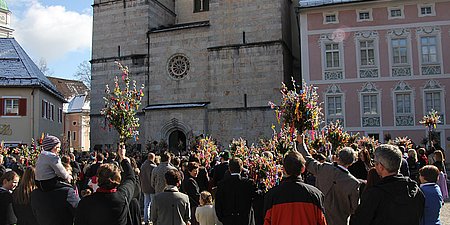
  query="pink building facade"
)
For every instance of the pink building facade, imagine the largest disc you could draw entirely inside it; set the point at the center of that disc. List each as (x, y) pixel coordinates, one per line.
(380, 65)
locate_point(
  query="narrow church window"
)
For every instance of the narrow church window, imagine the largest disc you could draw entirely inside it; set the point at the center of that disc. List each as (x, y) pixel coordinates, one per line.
(178, 66)
(201, 5)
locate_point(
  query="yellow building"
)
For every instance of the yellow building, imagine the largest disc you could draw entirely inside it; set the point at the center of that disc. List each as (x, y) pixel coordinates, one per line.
(30, 105)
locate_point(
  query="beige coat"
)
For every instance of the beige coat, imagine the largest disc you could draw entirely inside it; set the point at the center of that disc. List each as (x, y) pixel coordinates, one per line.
(341, 189)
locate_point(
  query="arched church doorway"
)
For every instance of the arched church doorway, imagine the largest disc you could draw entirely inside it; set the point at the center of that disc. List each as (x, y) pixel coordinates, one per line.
(177, 142)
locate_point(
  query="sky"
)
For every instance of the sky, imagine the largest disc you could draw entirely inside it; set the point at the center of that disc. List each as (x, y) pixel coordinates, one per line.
(57, 31)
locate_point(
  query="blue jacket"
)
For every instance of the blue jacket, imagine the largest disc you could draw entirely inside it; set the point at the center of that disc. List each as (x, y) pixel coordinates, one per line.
(433, 204)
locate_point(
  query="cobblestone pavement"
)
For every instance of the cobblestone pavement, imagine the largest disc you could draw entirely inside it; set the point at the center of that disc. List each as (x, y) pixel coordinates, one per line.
(445, 213)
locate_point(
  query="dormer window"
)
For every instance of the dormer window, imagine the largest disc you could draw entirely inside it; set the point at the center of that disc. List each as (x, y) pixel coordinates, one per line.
(201, 5)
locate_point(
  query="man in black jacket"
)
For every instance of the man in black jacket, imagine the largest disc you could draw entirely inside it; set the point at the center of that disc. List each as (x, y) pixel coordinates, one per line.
(234, 196)
(55, 206)
(109, 204)
(395, 199)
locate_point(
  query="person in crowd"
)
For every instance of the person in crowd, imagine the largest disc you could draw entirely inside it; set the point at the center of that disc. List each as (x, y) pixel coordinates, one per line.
(430, 154)
(294, 202)
(91, 172)
(171, 206)
(158, 173)
(76, 168)
(222, 168)
(404, 168)
(2, 166)
(433, 197)
(147, 190)
(190, 187)
(205, 213)
(341, 189)
(413, 164)
(439, 161)
(360, 168)
(422, 158)
(393, 200)
(22, 198)
(234, 196)
(372, 179)
(9, 182)
(110, 204)
(54, 203)
(202, 177)
(134, 206)
(49, 166)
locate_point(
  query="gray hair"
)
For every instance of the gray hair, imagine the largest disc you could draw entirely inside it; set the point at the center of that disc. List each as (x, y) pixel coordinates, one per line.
(347, 156)
(389, 156)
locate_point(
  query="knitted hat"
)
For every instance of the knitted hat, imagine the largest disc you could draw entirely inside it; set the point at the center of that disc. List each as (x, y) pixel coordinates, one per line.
(50, 142)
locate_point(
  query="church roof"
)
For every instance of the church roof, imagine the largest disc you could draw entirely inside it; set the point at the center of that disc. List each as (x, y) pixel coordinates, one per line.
(18, 70)
(3, 5)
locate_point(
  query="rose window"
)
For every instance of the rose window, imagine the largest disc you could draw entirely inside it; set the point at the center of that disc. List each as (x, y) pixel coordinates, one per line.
(178, 66)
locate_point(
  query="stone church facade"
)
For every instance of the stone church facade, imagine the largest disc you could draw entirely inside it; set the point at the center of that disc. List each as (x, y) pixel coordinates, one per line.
(209, 66)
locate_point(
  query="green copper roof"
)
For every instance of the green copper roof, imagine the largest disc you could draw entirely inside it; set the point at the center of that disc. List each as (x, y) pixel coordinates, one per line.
(3, 5)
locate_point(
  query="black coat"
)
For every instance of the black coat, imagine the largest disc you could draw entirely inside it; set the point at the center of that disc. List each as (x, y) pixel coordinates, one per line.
(234, 199)
(55, 206)
(24, 214)
(7, 215)
(190, 187)
(393, 200)
(108, 208)
(219, 172)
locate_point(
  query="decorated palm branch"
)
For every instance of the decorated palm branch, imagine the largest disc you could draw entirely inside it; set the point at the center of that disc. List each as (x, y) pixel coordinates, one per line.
(299, 109)
(263, 166)
(121, 106)
(206, 150)
(403, 141)
(368, 143)
(431, 119)
(336, 135)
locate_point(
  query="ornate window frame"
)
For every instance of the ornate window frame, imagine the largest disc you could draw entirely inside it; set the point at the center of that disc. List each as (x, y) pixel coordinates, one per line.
(370, 120)
(423, 5)
(403, 119)
(430, 68)
(400, 69)
(335, 73)
(359, 11)
(433, 86)
(335, 91)
(178, 66)
(367, 71)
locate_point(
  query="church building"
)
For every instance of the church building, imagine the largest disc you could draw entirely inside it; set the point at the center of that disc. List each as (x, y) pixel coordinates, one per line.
(209, 66)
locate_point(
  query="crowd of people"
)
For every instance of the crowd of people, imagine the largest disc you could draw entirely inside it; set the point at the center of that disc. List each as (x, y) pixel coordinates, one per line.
(385, 185)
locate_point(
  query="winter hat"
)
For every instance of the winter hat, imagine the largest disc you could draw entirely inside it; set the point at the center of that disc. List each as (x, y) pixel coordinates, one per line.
(50, 142)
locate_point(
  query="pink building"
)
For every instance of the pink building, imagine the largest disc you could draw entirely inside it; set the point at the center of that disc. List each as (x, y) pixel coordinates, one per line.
(379, 65)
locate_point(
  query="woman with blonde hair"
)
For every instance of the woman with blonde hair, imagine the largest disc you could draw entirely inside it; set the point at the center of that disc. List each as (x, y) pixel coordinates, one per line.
(413, 164)
(22, 196)
(439, 161)
(205, 213)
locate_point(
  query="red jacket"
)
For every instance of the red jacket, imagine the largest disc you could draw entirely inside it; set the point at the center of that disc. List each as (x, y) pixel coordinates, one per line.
(294, 202)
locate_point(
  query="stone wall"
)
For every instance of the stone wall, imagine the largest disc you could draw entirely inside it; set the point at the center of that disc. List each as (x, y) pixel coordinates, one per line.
(236, 77)
(192, 43)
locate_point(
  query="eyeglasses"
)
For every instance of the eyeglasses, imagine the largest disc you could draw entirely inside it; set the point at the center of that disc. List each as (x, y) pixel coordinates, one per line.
(377, 162)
